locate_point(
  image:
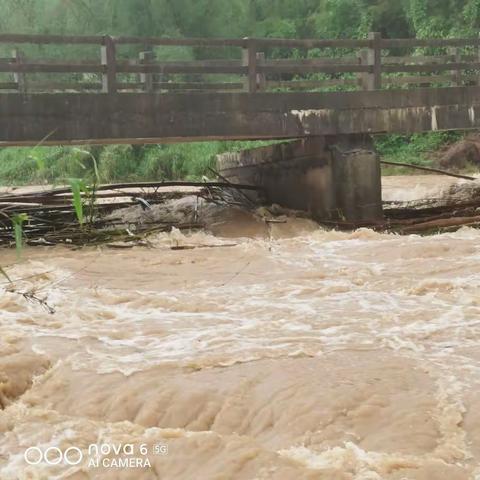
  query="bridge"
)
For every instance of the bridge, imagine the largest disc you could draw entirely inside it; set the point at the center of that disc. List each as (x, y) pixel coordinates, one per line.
(252, 89)
(134, 90)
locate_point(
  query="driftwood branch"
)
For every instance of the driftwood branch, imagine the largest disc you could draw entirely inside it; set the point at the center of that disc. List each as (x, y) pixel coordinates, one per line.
(66, 192)
(442, 223)
(233, 185)
(428, 169)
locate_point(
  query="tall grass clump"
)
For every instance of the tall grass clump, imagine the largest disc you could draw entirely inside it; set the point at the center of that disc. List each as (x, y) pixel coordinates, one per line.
(18, 220)
(84, 191)
(113, 163)
(415, 149)
(118, 163)
(39, 165)
(78, 187)
(187, 161)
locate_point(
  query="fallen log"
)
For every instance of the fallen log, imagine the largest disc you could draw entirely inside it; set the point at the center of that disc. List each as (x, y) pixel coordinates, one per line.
(440, 224)
(428, 169)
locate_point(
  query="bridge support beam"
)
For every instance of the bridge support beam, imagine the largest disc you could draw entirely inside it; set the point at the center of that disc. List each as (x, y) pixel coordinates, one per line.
(333, 178)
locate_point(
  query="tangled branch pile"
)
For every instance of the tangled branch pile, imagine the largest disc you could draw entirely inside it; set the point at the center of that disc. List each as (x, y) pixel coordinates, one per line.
(51, 216)
(460, 206)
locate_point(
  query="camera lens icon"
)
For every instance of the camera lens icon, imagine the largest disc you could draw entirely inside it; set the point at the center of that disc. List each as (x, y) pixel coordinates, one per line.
(53, 456)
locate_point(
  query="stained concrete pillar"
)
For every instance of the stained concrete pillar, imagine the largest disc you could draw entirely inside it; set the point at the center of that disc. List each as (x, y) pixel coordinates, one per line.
(334, 178)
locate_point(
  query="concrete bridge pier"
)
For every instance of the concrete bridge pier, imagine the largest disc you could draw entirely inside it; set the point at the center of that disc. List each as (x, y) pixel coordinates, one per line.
(333, 178)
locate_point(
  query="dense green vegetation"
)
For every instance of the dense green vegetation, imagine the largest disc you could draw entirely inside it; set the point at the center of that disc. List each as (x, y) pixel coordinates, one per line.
(237, 18)
(414, 149)
(229, 18)
(52, 165)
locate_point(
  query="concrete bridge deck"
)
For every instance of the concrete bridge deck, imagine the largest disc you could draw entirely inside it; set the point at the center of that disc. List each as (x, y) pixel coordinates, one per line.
(250, 93)
(72, 118)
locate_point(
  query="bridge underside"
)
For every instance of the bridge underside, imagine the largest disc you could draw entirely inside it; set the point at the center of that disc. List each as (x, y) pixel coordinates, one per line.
(155, 118)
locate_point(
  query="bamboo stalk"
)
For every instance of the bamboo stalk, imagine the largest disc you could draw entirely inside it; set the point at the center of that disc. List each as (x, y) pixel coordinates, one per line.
(119, 186)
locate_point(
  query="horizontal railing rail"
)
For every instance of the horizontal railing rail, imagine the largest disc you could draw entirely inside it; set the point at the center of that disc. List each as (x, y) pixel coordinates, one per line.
(262, 64)
(48, 39)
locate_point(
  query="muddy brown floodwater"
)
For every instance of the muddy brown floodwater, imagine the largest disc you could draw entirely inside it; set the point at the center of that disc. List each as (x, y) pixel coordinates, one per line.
(298, 353)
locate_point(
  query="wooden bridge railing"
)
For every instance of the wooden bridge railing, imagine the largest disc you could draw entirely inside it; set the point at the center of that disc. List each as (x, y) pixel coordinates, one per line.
(368, 64)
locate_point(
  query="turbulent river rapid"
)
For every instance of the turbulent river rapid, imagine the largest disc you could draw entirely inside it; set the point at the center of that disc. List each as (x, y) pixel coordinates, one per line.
(301, 354)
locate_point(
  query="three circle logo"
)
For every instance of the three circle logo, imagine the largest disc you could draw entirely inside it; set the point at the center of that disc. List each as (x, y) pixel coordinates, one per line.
(53, 456)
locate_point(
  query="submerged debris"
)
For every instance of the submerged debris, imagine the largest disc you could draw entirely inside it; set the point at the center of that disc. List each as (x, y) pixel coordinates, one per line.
(456, 207)
(123, 215)
(52, 218)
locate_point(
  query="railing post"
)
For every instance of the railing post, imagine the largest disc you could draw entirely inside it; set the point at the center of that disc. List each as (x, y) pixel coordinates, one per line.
(457, 58)
(362, 78)
(109, 77)
(19, 77)
(147, 58)
(261, 80)
(372, 57)
(245, 64)
(249, 59)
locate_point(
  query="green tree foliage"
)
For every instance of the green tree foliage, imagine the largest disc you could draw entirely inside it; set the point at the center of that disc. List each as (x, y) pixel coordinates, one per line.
(238, 18)
(233, 18)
